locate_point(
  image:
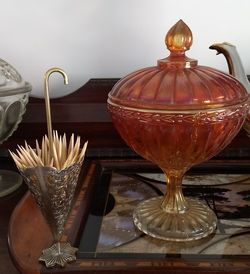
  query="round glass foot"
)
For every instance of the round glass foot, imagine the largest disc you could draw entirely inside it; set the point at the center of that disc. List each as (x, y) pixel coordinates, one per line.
(9, 182)
(58, 254)
(196, 222)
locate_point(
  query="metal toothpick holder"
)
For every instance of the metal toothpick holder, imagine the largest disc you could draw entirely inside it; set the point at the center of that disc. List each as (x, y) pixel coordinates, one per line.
(51, 173)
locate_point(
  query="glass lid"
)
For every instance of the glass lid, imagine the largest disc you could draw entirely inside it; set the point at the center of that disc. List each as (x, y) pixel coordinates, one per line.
(11, 82)
(178, 82)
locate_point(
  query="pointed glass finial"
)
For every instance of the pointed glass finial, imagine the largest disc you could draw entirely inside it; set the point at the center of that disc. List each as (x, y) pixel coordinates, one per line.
(179, 38)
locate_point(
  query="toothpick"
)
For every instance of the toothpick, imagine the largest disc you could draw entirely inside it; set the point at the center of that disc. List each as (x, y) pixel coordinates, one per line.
(82, 153)
(38, 150)
(62, 156)
(17, 160)
(57, 165)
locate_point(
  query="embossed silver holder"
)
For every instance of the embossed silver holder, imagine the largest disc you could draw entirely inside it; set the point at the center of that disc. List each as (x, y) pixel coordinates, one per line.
(53, 191)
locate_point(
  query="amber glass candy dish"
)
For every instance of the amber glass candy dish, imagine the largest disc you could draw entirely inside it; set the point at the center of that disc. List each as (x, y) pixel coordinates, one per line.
(177, 114)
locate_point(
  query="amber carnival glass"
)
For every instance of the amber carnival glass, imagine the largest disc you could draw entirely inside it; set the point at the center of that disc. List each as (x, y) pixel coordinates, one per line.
(177, 114)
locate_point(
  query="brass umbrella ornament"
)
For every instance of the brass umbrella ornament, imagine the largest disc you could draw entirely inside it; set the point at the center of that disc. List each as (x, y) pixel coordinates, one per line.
(51, 172)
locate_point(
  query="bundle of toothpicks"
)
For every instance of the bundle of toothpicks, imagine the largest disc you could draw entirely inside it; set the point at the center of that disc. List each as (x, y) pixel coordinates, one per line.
(54, 150)
(61, 155)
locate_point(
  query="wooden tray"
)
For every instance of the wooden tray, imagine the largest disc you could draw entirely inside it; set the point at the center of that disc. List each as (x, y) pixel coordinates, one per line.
(100, 222)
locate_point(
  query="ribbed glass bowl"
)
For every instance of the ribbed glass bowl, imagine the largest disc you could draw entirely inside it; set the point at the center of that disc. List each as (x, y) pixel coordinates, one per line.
(177, 114)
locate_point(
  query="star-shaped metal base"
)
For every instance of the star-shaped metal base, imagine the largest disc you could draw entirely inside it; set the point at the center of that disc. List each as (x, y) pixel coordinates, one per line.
(58, 254)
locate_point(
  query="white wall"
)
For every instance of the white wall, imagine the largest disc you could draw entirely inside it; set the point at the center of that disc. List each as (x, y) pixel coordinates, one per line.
(110, 38)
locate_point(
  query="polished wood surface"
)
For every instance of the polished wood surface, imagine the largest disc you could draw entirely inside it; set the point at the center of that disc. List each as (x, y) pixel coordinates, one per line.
(28, 234)
(7, 205)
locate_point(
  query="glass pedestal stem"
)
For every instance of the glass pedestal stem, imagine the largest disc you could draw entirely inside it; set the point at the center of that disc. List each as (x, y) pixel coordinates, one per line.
(174, 200)
(173, 217)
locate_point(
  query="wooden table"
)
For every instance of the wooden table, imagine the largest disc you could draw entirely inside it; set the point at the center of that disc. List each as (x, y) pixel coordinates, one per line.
(138, 254)
(7, 205)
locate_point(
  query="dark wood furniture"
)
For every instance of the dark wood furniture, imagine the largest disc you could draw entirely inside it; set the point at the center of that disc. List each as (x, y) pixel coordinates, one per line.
(29, 234)
(7, 205)
(84, 112)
